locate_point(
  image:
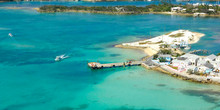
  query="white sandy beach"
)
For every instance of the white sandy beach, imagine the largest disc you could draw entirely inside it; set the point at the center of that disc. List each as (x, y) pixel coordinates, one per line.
(152, 46)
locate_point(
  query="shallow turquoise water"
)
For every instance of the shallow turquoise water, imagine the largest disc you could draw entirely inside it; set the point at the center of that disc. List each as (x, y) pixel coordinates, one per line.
(31, 80)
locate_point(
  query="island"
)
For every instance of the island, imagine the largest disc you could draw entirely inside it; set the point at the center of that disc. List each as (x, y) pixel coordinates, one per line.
(166, 54)
(196, 9)
(169, 53)
(173, 41)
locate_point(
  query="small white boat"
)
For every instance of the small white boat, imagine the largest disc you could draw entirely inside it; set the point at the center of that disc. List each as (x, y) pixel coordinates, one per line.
(10, 35)
(187, 48)
(61, 57)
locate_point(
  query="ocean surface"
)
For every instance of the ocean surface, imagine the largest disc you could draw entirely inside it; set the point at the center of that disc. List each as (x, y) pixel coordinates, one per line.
(31, 80)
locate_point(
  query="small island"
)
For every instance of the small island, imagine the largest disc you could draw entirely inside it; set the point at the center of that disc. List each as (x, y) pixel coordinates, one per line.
(176, 39)
(165, 54)
(163, 8)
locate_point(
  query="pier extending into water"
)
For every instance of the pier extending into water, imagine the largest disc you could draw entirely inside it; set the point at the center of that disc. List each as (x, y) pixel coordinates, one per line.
(96, 65)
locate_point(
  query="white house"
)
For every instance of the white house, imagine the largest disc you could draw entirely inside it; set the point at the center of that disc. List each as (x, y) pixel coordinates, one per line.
(211, 57)
(217, 58)
(192, 58)
(212, 10)
(201, 62)
(182, 63)
(176, 9)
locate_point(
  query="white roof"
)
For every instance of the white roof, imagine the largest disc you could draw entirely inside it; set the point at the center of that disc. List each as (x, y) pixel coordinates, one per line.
(211, 57)
(176, 7)
(201, 61)
(191, 67)
(190, 56)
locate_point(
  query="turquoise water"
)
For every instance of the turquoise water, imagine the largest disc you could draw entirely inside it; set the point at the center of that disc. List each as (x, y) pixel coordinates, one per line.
(31, 80)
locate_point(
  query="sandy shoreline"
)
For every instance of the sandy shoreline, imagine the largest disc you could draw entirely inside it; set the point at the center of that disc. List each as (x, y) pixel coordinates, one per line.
(148, 51)
(153, 48)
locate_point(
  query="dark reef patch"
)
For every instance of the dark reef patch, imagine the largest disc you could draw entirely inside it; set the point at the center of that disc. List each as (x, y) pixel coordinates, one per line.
(16, 106)
(65, 108)
(132, 108)
(207, 95)
(80, 107)
(114, 55)
(83, 106)
(93, 48)
(161, 85)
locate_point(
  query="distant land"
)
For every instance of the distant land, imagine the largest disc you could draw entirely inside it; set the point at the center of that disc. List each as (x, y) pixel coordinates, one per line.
(196, 10)
(92, 0)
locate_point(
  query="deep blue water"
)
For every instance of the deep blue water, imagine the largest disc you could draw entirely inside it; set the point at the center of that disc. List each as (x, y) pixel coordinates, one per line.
(31, 80)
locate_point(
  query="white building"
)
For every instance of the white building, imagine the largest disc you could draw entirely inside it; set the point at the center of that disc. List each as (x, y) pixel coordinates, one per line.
(211, 57)
(217, 58)
(176, 9)
(212, 10)
(192, 58)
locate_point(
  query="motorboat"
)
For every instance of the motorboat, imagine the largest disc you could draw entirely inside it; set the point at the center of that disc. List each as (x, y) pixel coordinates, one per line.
(10, 35)
(61, 57)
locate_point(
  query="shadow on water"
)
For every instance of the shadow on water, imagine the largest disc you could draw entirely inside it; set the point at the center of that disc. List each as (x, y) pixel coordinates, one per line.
(132, 108)
(209, 96)
(80, 107)
(161, 85)
(36, 62)
(16, 106)
(22, 105)
(114, 55)
(93, 48)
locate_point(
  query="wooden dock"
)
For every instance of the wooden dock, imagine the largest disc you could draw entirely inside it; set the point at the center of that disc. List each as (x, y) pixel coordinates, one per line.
(96, 65)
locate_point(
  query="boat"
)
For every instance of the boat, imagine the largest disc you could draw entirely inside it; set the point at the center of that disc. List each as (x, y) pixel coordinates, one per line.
(10, 35)
(187, 48)
(61, 57)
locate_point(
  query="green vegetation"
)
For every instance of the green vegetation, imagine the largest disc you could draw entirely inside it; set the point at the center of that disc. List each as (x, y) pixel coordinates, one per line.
(177, 35)
(163, 7)
(164, 46)
(162, 60)
(155, 56)
(218, 54)
(165, 51)
(142, 43)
